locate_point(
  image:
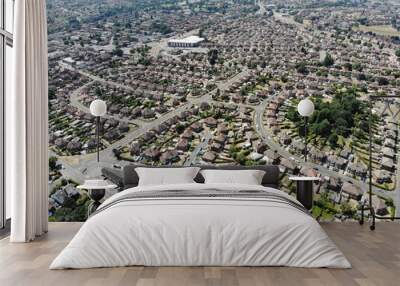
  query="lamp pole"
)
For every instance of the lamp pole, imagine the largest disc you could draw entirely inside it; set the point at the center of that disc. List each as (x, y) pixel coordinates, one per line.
(98, 108)
(305, 109)
(98, 137)
(305, 138)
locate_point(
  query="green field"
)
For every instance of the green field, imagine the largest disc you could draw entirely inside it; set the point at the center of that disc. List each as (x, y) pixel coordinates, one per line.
(384, 30)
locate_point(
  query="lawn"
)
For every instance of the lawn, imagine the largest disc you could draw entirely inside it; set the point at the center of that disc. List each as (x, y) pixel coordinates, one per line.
(384, 30)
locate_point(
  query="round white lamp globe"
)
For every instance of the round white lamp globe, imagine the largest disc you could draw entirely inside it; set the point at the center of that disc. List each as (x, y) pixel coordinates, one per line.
(305, 107)
(98, 108)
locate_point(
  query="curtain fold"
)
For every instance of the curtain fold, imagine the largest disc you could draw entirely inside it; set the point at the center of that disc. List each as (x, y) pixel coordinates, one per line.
(27, 120)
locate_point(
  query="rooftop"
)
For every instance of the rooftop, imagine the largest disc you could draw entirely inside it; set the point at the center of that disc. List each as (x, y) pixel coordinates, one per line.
(188, 40)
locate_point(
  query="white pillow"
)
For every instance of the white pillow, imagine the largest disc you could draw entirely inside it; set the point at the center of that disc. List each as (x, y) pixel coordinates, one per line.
(166, 176)
(247, 177)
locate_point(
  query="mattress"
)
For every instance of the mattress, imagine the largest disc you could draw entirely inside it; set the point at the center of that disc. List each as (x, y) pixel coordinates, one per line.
(201, 225)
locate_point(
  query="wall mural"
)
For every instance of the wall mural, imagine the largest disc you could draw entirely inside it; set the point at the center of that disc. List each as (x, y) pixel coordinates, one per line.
(228, 96)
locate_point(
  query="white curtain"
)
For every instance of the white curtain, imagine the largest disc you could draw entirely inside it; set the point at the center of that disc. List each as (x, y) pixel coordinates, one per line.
(27, 123)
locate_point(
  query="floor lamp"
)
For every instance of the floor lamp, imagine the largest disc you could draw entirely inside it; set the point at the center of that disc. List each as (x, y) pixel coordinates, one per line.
(305, 109)
(370, 207)
(98, 108)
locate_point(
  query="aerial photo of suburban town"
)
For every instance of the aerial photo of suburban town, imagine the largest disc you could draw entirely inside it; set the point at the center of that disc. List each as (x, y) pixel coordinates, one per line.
(191, 82)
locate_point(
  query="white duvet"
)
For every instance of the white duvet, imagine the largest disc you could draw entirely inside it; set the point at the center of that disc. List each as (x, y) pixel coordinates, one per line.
(202, 232)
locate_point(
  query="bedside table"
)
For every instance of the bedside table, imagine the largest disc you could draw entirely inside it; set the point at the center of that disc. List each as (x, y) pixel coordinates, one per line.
(96, 191)
(304, 193)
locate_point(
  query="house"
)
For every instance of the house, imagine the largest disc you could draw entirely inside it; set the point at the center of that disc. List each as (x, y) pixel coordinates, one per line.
(160, 129)
(223, 128)
(152, 154)
(288, 165)
(123, 127)
(272, 157)
(309, 172)
(334, 184)
(216, 147)
(357, 169)
(388, 152)
(336, 161)
(381, 176)
(60, 143)
(298, 147)
(135, 148)
(209, 157)
(255, 156)
(148, 136)
(220, 138)
(261, 147)
(183, 145)
(285, 139)
(389, 143)
(74, 146)
(169, 157)
(345, 153)
(210, 122)
(352, 191)
(317, 155)
(379, 206)
(196, 127)
(187, 134)
(387, 164)
(148, 113)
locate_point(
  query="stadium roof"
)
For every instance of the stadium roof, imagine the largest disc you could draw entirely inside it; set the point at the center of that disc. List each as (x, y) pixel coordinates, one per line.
(188, 40)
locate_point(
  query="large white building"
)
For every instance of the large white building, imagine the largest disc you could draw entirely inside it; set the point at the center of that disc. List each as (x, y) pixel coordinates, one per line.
(189, 42)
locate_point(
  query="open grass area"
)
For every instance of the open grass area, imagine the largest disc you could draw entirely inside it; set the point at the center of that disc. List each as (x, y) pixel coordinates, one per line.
(384, 30)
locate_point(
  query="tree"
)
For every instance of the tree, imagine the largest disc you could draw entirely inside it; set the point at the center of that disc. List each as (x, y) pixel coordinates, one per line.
(383, 81)
(348, 66)
(53, 163)
(99, 91)
(302, 68)
(357, 67)
(361, 77)
(323, 128)
(343, 116)
(213, 56)
(118, 52)
(217, 93)
(397, 53)
(52, 93)
(347, 209)
(74, 24)
(328, 60)
(180, 128)
(201, 32)
(332, 139)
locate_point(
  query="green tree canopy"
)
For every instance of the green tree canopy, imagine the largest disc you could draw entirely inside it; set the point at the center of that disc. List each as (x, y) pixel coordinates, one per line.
(328, 60)
(335, 118)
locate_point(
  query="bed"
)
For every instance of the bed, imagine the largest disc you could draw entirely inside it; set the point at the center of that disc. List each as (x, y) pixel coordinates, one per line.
(198, 224)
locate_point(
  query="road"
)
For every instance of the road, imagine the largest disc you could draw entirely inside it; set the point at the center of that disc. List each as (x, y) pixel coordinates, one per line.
(74, 101)
(95, 78)
(68, 170)
(262, 9)
(203, 144)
